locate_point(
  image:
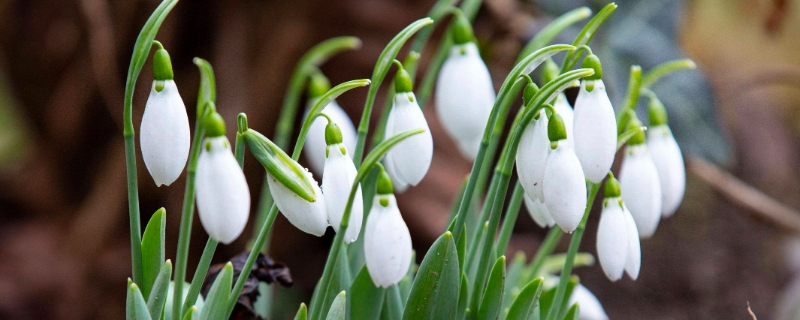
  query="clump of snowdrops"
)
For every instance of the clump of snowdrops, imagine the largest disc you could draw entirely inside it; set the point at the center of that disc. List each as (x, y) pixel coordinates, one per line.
(562, 157)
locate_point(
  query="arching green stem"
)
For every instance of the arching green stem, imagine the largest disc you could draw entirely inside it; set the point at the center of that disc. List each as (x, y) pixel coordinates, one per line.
(553, 29)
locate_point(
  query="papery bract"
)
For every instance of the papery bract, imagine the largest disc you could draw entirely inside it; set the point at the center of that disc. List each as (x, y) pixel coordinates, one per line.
(595, 131)
(309, 216)
(340, 173)
(164, 134)
(641, 188)
(666, 155)
(409, 160)
(387, 242)
(223, 197)
(314, 146)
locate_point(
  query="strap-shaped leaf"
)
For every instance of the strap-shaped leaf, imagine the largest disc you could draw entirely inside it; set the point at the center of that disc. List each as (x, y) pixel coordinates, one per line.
(153, 250)
(215, 307)
(513, 281)
(463, 297)
(192, 314)
(338, 307)
(160, 288)
(547, 298)
(493, 296)
(436, 283)
(136, 308)
(302, 312)
(366, 300)
(340, 281)
(394, 304)
(525, 302)
(574, 313)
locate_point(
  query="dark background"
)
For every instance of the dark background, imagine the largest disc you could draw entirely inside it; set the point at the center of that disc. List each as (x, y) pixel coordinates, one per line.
(64, 251)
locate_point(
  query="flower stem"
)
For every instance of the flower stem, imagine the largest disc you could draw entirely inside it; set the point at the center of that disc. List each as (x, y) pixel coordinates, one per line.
(573, 249)
(199, 274)
(512, 211)
(547, 246)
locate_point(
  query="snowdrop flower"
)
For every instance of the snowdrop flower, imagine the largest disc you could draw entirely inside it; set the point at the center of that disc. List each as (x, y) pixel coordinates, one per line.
(538, 212)
(387, 242)
(595, 126)
(223, 198)
(564, 185)
(591, 309)
(464, 91)
(408, 161)
(618, 245)
(641, 188)
(340, 173)
(164, 133)
(314, 146)
(293, 187)
(667, 157)
(532, 157)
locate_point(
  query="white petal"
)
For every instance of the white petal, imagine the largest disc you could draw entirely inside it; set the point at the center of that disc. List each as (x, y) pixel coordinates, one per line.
(314, 146)
(641, 189)
(595, 130)
(387, 243)
(538, 212)
(612, 239)
(309, 217)
(667, 157)
(164, 134)
(223, 198)
(410, 158)
(633, 263)
(340, 173)
(532, 157)
(567, 114)
(591, 309)
(464, 96)
(564, 187)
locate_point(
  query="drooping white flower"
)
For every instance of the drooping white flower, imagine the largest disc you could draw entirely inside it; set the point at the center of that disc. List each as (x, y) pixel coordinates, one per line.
(408, 161)
(618, 245)
(164, 133)
(538, 212)
(564, 185)
(314, 146)
(641, 188)
(666, 155)
(387, 241)
(309, 216)
(223, 197)
(591, 309)
(464, 97)
(340, 173)
(595, 130)
(532, 157)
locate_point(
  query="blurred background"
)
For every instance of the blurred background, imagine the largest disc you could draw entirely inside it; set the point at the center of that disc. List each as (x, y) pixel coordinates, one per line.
(64, 250)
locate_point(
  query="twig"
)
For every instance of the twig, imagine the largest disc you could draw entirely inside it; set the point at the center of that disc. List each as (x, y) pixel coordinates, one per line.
(750, 311)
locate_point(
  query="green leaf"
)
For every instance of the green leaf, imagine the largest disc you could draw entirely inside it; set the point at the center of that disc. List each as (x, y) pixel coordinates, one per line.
(493, 296)
(153, 249)
(338, 307)
(366, 300)
(135, 305)
(462, 248)
(547, 297)
(340, 281)
(586, 34)
(574, 313)
(192, 314)
(553, 29)
(408, 280)
(524, 304)
(463, 296)
(215, 307)
(436, 283)
(394, 304)
(302, 313)
(160, 289)
(513, 281)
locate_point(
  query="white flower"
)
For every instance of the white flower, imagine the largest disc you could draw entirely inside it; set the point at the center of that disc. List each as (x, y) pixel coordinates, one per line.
(314, 146)
(538, 212)
(564, 187)
(409, 160)
(532, 157)
(595, 130)
(590, 307)
(223, 198)
(641, 188)
(387, 242)
(340, 173)
(669, 163)
(309, 217)
(164, 134)
(568, 114)
(464, 97)
(618, 245)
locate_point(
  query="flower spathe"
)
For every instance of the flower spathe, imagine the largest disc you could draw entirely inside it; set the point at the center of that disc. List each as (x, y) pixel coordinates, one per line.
(309, 216)
(532, 157)
(387, 242)
(223, 197)
(314, 146)
(666, 155)
(595, 130)
(464, 97)
(641, 188)
(538, 212)
(340, 173)
(164, 133)
(618, 247)
(408, 161)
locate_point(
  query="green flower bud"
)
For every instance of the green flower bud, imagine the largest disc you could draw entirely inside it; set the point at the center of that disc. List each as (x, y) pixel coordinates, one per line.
(162, 65)
(555, 128)
(402, 80)
(384, 185)
(637, 138)
(318, 84)
(550, 71)
(530, 90)
(332, 133)
(462, 29)
(612, 189)
(214, 125)
(592, 61)
(657, 112)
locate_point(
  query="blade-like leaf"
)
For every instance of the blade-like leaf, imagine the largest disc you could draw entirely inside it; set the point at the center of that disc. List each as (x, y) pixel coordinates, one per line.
(153, 250)
(136, 307)
(463, 297)
(546, 301)
(338, 307)
(525, 302)
(366, 300)
(436, 283)
(513, 281)
(302, 313)
(160, 289)
(192, 314)
(493, 296)
(394, 304)
(340, 280)
(215, 307)
(574, 313)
